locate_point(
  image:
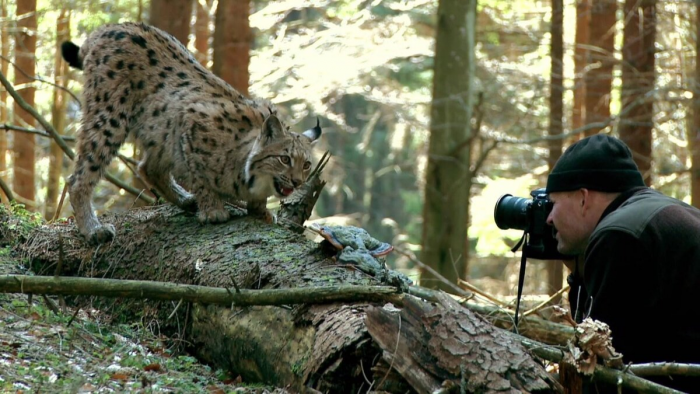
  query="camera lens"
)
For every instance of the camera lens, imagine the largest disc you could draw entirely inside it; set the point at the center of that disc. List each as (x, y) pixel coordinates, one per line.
(512, 212)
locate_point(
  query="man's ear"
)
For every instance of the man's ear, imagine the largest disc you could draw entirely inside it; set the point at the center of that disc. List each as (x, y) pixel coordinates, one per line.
(272, 129)
(584, 195)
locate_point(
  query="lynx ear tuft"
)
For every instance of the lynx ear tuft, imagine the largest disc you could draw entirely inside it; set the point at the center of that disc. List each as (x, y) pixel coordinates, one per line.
(315, 133)
(272, 128)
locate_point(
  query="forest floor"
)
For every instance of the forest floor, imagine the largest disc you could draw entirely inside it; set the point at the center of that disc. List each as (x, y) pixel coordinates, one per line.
(49, 349)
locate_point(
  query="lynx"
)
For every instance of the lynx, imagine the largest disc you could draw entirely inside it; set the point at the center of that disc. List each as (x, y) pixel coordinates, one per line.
(192, 126)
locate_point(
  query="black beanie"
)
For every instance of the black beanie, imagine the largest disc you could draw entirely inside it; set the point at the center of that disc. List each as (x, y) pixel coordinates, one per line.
(599, 162)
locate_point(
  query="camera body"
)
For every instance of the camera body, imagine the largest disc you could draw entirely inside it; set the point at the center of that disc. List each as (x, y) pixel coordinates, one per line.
(530, 215)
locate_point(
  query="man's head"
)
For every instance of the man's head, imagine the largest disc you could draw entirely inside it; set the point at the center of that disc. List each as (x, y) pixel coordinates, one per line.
(585, 180)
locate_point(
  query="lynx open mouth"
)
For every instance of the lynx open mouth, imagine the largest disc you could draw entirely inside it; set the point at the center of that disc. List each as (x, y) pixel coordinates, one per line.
(281, 190)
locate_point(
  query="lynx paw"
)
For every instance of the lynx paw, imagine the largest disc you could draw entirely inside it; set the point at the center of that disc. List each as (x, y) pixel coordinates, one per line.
(213, 216)
(101, 234)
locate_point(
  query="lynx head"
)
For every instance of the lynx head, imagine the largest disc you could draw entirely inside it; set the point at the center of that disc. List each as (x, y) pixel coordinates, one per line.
(280, 160)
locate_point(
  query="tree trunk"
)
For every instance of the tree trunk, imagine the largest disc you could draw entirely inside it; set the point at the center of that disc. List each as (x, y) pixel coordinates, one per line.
(232, 39)
(58, 115)
(172, 16)
(638, 80)
(325, 346)
(445, 345)
(695, 134)
(4, 113)
(24, 143)
(555, 271)
(583, 17)
(448, 177)
(600, 60)
(201, 32)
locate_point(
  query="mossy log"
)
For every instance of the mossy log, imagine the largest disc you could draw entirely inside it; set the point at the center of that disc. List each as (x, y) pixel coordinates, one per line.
(319, 345)
(325, 347)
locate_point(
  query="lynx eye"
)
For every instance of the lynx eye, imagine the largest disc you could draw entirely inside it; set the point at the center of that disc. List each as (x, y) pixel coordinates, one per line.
(307, 165)
(285, 160)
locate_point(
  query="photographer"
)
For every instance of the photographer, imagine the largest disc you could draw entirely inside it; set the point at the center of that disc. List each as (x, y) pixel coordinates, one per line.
(640, 271)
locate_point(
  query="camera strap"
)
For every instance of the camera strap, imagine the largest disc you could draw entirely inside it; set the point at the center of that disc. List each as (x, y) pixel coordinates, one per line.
(521, 277)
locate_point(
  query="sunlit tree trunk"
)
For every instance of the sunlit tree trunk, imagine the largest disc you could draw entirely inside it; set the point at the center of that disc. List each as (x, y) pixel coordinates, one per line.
(638, 78)
(600, 60)
(58, 115)
(555, 270)
(173, 16)
(448, 177)
(201, 31)
(583, 17)
(4, 113)
(232, 37)
(694, 138)
(24, 143)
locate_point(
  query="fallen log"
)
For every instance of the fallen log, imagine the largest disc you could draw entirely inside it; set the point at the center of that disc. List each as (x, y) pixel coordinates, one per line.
(323, 346)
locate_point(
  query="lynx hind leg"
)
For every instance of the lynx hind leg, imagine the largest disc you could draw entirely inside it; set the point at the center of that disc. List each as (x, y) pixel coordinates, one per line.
(99, 143)
(158, 177)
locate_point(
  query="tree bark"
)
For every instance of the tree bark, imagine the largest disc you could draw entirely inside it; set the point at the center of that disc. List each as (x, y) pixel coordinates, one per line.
(555, 269)
(444, 242)
(583, 17)
(695, 134)
(439, 346)
(232, 40)
(172, 16)
(58, 115)
(24, 143)
(4, 113)
(601, 60)
(638, 81)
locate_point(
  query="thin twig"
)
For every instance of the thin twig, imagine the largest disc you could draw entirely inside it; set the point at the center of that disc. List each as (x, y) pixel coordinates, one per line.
(60, 203)
(393, 358)
(175, 310)
(547, 301)
(32, 131)
(42, 80)
(665, 369)
(482, 293)
(436, 274)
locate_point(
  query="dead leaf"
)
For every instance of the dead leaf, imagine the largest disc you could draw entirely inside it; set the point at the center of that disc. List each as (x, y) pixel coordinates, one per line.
(153, 367)
(119, 376)
(215, 390)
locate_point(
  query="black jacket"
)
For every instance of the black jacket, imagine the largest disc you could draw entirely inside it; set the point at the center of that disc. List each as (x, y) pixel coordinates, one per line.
(641, 276)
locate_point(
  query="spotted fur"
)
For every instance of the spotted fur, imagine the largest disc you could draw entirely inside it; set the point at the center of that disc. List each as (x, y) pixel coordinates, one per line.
(194, 129)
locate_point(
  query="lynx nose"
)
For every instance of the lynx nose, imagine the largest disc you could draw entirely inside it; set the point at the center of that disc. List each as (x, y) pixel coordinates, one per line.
(296, 182)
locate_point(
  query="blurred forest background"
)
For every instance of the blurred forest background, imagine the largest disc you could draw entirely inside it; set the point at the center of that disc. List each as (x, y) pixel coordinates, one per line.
(432, 109)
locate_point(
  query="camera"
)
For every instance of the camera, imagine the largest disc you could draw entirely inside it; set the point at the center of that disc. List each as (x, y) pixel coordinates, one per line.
(530, 215)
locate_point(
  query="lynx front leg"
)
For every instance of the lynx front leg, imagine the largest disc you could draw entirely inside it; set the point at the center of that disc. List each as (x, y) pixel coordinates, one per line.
(258, 208)
(210, 207)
